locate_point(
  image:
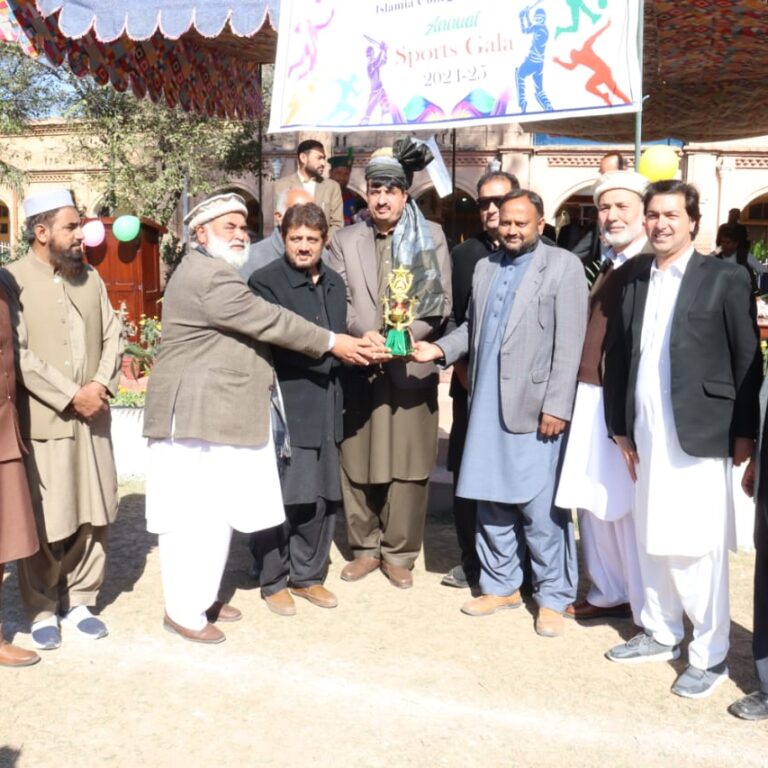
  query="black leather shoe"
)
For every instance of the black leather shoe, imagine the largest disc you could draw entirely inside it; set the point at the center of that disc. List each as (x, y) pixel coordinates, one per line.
(751, 707)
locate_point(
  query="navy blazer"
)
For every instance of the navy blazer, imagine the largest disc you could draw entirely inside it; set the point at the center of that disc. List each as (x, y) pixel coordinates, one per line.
(714, 349)
(303, 380)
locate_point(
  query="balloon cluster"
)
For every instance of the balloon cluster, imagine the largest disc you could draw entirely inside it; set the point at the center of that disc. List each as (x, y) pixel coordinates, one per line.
(659, 162)
(124, 228)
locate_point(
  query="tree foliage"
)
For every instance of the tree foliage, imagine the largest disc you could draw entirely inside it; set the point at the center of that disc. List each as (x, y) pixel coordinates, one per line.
(149, 151)
(28, 89)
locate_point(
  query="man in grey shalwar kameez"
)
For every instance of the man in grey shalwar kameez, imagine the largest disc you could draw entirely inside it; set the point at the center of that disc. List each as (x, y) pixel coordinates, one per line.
(524, 334)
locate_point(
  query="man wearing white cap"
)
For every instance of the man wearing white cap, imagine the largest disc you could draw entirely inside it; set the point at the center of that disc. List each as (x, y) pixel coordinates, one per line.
(593, 478)
(208, 415)
(69, 346)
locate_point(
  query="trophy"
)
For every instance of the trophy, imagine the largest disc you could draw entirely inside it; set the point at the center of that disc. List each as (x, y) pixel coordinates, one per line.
(398, 311)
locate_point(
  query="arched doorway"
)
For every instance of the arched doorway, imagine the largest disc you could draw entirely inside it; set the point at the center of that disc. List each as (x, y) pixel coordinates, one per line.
(575, 218)
(457, 213)
(5, 232)
(754, 216)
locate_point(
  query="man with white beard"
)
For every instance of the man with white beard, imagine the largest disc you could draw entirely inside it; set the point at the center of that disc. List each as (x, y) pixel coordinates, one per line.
(208, 415)
(593, 479)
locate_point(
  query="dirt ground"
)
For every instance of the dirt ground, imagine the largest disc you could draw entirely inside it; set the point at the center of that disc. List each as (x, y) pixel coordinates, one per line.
(389, 678)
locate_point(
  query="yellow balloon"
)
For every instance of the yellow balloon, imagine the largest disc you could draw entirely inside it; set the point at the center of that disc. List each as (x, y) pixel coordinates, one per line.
(659, 162)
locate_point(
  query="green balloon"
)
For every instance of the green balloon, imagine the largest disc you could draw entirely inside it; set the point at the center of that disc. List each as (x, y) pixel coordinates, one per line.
(126, 228)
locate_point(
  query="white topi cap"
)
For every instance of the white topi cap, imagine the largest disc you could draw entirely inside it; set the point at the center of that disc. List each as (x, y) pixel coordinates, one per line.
(213, 207)
(630, 180)
(50, 200)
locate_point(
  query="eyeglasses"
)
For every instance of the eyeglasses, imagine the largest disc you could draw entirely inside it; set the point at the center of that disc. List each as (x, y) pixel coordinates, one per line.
(484, 203)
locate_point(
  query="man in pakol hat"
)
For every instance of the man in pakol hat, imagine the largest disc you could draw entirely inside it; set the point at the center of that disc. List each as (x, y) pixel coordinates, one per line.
(391, 417)
(593, 479)
(69, 345)
(208, 415)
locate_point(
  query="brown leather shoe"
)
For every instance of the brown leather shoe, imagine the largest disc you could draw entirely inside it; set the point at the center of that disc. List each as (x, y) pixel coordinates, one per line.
(223, 612)
(485, 605)
(280, 603)
(549, 623)
(584, 611)
(208, 634)
(359, 568)
(317, 594)
(398, 576)
(13, 656)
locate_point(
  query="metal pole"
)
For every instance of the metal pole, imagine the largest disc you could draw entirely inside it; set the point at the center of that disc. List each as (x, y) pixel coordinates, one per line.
(185, 207)
(453, 187)
(639, 113)
(260, 152)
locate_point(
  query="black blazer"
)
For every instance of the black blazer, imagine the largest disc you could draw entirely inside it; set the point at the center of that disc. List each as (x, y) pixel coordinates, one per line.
(304, 381)
(715, 355)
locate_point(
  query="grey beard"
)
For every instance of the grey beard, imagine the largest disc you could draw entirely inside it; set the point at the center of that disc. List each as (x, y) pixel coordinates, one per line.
(220, 249)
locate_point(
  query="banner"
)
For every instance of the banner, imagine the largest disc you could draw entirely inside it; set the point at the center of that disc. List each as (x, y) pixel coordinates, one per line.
(346, 65)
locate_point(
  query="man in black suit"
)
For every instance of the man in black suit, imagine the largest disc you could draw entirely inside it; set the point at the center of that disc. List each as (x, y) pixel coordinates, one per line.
(490, 190)
(681, 389)
(295, 554)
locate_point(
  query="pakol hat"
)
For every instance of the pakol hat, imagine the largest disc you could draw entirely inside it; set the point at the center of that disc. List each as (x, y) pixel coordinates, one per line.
(213, 207)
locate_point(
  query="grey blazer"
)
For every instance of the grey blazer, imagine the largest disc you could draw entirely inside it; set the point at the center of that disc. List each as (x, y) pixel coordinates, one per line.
(213, 375)
(353, 256)
(327, 196)
(541, 346)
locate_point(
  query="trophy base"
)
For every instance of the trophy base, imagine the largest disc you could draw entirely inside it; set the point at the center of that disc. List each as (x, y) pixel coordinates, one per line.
(398, 342)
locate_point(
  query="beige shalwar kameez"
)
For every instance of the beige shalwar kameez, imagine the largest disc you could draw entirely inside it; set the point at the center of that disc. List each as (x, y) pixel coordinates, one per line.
(67, 335)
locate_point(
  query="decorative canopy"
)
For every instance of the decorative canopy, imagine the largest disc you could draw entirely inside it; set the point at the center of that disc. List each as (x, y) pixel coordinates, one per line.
(202, 56)
(703, 70)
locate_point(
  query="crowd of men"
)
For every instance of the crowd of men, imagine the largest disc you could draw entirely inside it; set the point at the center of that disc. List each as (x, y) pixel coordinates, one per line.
(629, 400)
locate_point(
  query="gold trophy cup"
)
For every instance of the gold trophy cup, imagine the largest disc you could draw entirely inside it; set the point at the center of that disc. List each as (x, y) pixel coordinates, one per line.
(398, 311)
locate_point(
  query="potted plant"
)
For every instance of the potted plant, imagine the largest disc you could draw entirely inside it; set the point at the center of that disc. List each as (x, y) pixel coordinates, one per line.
(127, 406)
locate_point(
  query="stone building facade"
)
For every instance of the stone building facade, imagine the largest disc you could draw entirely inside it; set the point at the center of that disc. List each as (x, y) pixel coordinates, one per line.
(728, 174)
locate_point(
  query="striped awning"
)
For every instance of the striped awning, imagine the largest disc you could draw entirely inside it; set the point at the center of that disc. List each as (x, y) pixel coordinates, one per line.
(202, 56)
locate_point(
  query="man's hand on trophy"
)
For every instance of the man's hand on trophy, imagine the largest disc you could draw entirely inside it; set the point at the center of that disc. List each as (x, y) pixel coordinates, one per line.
(355, 351)
(375, 338)
(425, 352)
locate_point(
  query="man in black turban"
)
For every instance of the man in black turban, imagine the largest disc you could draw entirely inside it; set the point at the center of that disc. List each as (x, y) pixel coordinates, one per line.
(391, 416)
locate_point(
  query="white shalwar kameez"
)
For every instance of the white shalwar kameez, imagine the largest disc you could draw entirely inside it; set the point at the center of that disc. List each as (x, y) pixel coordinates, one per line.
(197, 494)
(683, 504)
(594, 480)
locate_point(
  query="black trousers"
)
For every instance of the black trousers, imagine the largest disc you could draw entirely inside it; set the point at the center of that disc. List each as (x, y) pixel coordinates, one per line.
(296, 552)
(464, 510)
(760, 622)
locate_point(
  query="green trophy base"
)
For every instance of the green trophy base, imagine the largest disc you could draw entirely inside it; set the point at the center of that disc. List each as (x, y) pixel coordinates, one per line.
(398, 342)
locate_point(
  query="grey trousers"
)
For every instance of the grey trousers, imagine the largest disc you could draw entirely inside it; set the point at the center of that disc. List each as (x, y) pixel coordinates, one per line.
(506, 531)
(760, 625)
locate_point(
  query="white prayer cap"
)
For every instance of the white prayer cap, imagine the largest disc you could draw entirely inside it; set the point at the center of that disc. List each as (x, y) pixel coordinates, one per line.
(631, 180)
(50, 200)
(213, 207)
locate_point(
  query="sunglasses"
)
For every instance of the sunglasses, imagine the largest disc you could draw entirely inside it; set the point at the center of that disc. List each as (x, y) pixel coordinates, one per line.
(484, 203)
